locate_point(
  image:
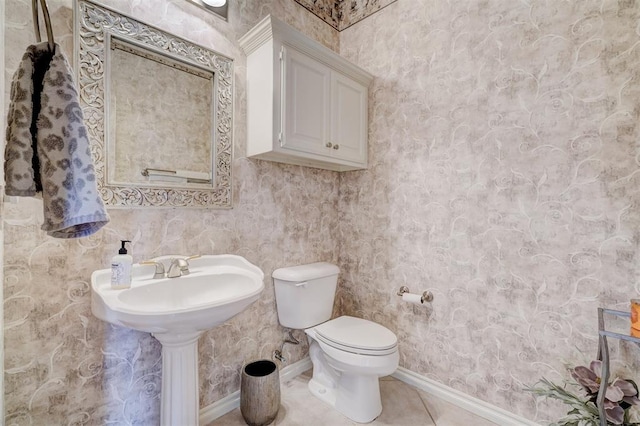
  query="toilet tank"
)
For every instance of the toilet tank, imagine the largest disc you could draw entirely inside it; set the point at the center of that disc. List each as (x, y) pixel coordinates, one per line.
(305, 294)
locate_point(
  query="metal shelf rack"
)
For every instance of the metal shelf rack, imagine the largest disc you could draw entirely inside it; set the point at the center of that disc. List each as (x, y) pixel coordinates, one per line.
(603, 354)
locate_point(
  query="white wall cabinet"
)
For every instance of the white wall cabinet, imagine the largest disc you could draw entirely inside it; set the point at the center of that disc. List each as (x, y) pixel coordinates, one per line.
(306, 105)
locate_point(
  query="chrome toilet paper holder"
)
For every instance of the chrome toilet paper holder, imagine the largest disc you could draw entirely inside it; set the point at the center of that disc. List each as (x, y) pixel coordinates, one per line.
(427, 296)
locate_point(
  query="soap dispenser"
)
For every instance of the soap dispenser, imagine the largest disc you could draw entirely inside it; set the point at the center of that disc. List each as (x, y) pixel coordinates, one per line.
(121, 268)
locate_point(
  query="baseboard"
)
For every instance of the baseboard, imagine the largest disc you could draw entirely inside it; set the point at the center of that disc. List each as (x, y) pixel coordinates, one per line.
(295, 369)
(232, 401)
(473, 405)
(219, 408)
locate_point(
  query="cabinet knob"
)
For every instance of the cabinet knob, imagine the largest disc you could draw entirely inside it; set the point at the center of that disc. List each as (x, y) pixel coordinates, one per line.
(336, 146)
(328, 145)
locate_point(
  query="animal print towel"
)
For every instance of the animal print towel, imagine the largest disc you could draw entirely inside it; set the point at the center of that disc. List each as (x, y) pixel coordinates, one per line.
(61, 158)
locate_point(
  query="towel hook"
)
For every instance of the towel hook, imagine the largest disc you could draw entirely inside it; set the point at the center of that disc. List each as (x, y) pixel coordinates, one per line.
(47, 22)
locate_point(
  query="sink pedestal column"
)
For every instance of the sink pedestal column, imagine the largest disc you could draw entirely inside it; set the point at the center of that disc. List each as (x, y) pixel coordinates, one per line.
(180, 401)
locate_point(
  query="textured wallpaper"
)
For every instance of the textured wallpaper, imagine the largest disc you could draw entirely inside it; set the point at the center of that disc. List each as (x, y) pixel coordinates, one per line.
(62, 365)
(504, 177)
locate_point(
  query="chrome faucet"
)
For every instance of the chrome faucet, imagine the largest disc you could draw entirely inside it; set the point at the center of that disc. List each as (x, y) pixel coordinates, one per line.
(159, 268)
(180, 267)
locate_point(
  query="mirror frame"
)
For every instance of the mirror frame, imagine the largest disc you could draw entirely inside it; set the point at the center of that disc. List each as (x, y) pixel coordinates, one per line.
(94, 25)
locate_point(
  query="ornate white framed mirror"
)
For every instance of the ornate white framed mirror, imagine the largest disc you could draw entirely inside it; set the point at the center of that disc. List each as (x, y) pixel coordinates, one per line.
(158, 110)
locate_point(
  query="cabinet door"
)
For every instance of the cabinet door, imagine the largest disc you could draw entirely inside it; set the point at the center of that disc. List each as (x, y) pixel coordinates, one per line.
(306, 105)
(349, 119)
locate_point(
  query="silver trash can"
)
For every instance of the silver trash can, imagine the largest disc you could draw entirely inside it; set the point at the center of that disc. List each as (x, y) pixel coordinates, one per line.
(260, 392)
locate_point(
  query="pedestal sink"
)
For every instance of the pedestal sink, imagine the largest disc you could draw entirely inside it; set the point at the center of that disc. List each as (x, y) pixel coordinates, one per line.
(176, 311)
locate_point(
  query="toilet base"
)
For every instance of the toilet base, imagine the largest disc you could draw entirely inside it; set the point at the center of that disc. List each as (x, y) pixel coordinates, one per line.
(322, 392)
(356, 397)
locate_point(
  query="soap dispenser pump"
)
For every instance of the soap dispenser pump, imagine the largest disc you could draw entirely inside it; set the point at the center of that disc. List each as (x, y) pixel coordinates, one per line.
(121, 268)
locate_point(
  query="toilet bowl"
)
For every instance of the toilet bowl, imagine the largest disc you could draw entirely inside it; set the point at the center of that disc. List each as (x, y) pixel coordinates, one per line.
(348, 354)
(346, 372)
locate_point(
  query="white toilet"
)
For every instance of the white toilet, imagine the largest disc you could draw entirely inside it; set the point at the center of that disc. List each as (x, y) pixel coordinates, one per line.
(348, 354)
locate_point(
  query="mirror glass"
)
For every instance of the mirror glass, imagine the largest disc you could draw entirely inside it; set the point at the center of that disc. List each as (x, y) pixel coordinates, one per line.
(158, 110)
(177, 99)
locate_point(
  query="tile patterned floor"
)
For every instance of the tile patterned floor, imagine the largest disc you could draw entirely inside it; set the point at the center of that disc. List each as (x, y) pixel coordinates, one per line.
(402, 405)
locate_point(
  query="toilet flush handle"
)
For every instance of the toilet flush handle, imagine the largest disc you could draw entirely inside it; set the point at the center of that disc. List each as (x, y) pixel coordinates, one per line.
(302, 284)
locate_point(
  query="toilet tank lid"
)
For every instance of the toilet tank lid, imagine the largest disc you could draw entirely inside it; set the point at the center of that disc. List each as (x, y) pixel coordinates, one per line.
(306, 272)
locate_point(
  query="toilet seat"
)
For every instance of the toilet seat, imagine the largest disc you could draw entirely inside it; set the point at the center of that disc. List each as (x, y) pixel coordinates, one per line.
(357, 335)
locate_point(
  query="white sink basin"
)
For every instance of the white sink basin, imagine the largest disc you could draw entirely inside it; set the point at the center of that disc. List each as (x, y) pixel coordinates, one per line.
(218, 287)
